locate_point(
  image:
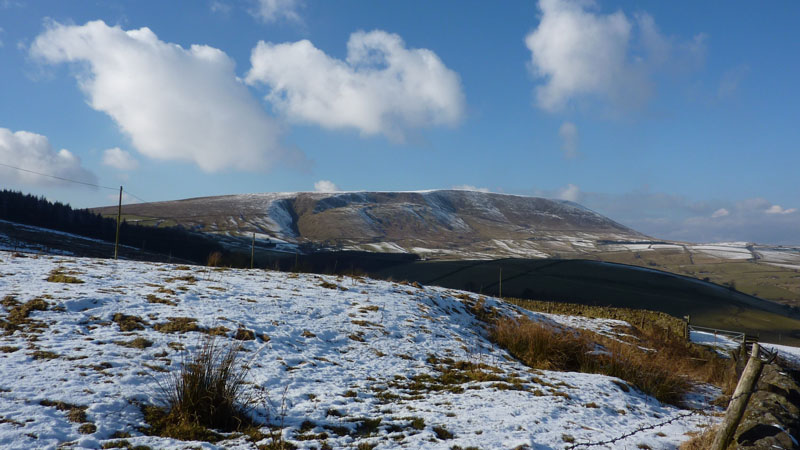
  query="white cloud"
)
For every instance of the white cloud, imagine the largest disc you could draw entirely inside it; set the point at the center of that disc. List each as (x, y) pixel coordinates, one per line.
(119, 159)
(33, 152)
(777, 209)
(174, 103)
(273, 10)
(469, 187)
(570, 192)
(381, 88)
(569, 140)
(582, 53)
(722, 212)
(325, 186)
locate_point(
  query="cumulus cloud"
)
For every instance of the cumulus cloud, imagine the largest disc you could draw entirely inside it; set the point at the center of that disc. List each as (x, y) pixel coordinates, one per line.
(33, 152)
(469, 187)
(569, 140)
(325, 186)
(269, 11)
(777, 209)
(582, 53)
(174, 103)
(569, 192)
(119, 159)
(382, 87)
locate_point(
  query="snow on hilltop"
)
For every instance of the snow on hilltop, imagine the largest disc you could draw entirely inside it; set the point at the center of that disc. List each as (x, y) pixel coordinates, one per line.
(426, 222)
(344, 349)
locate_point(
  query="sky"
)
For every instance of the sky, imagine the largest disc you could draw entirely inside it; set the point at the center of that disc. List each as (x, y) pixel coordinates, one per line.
(680, 120)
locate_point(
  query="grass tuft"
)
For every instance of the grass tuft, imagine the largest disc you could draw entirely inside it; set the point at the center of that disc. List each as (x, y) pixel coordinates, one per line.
(208, 393)
(177, 325)
(128, 323)
(139, 342)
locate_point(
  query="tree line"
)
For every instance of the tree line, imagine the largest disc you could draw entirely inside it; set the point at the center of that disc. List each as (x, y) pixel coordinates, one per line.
(38, 211)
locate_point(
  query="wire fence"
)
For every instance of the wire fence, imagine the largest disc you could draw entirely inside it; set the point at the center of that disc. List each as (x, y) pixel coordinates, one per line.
(643, 428)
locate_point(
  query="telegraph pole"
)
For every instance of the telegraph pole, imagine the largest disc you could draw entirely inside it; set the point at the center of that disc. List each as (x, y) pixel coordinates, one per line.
(253, 250)
(119, 216)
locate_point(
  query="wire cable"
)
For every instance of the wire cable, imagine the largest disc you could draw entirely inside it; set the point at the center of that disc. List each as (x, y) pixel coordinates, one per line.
(58, 178)
(74, 181)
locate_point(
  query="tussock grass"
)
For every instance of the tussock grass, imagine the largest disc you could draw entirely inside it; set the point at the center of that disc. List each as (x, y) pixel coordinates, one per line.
(664, 369)
(154, 299)
(177, 325)
(18, 313)
(701, 441)
(207, 393)
(59, 276)
(128, 323)
(139, 342)
(541, 346)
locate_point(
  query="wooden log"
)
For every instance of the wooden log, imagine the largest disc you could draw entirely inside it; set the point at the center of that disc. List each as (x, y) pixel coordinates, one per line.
(738, 404)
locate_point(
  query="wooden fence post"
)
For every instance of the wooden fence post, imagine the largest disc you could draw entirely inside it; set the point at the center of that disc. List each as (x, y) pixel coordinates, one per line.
(736, 408)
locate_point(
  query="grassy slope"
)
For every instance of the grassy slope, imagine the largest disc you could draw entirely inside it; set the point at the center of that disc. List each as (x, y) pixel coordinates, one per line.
(594, 283)
(767, 281)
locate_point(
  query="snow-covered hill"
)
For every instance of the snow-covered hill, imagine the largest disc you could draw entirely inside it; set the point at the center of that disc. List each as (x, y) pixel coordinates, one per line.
(345, 350)
(438, 224)
(441, 223)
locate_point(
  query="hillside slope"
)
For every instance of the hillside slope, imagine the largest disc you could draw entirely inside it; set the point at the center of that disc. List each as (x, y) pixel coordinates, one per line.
(465, 225)
(446, 223)
(351, 353)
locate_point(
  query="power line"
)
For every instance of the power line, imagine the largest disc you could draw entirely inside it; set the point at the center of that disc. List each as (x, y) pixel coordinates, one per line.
(58, 178)
(73, 181)
(136, 197)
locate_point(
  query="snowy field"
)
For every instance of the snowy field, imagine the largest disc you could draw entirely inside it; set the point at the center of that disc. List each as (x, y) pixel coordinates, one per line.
(342, 349)
(789, 353)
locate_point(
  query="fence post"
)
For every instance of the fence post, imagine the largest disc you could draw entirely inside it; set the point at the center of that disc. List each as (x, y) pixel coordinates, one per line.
(686, 330)
(738, 403)
(119, 217)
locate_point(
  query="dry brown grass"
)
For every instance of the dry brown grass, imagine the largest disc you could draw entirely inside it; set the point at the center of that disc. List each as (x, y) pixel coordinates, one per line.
(540, 346)
(18, 313)
(664, 368)
(177, 325)
(702, 441)
(128, 323)
(208, 393)
(59, 276)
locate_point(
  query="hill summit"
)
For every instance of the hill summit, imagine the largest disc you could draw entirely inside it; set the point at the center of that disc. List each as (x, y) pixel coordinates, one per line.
(439, 223)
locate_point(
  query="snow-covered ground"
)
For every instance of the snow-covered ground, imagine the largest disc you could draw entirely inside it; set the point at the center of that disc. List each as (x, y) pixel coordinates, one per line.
(791, 354)
(343, 350)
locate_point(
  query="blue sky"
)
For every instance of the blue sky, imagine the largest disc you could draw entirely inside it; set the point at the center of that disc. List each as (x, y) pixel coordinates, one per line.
(679, 120)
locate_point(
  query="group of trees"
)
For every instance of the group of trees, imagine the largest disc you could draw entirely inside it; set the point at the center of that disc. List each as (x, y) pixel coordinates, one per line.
(38, 211)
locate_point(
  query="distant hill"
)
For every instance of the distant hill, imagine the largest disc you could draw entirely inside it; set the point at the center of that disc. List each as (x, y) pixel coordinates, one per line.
(463, 225)
(446, 224)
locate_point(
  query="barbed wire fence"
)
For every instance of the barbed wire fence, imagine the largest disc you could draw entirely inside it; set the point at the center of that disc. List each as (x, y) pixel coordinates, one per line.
(653, 426)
